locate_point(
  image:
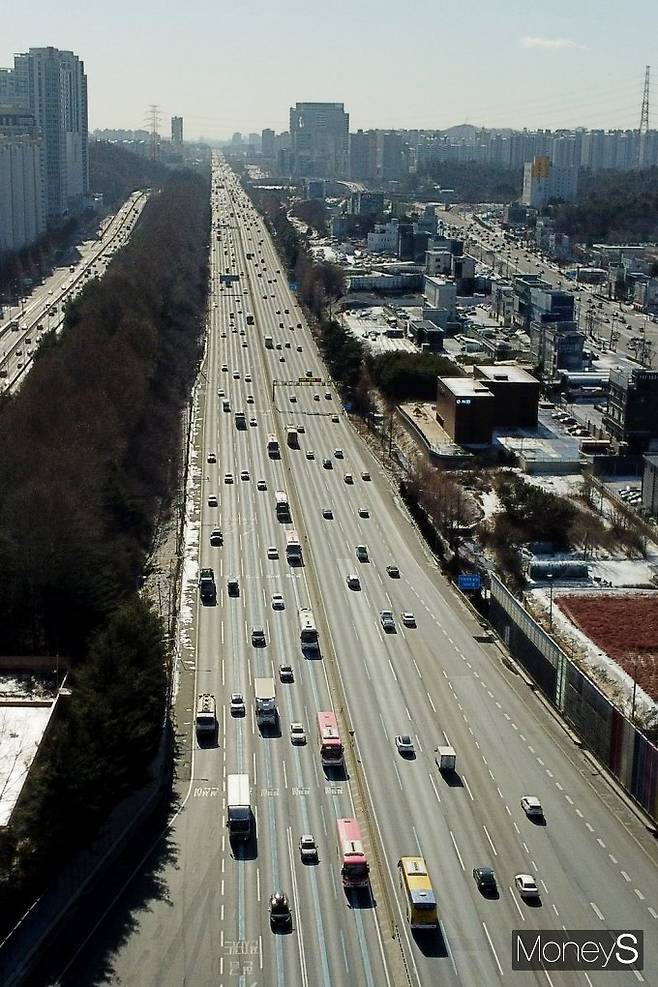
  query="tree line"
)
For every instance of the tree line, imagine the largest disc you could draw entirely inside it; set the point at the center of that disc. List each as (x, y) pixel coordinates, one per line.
(90, 451)
(612, 207)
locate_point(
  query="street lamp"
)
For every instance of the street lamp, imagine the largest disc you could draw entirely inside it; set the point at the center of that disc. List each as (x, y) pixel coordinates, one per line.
(550, 598)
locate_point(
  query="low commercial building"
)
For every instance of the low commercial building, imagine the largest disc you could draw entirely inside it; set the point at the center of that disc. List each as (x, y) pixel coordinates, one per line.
(516, 394)
(465, 410)
(441, 294)
(556, 346)
(426, 334)
(437, 262)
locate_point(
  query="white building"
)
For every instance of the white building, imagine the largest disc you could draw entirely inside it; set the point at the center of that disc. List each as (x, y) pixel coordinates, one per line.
(22, 216)
(384, 238)
(437, 262)
(543, 181)
(441, 294)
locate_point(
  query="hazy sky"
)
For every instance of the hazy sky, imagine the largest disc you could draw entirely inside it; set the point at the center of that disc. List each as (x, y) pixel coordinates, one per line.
(421, 63)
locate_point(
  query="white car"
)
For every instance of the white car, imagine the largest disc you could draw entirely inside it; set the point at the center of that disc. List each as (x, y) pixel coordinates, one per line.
(273, 552)
(404, 744)
(212, 500)
(365, 475)
(297, 733)
(261, 485)
(228, 478)
(310, 454)
(237, 704)
(364, 512)
(236, 375)
(244, 475)
(212, 458)
(247, 378)
(278, 602)
(532, 806)
(408, 618)
(526, 885)
(338, 453)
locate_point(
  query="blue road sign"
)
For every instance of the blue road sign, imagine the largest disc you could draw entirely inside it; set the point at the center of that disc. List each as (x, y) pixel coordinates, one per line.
(469, 580)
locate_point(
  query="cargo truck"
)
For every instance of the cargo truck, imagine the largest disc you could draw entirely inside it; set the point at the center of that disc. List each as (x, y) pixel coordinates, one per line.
(239, 817)
(446, 758)
(265, 697)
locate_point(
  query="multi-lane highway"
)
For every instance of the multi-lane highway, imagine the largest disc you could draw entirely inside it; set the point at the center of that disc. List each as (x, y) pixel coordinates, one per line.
(594, 864)
(23, 327)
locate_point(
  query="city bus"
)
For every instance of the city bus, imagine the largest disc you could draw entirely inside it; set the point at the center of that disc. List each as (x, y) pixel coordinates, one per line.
(273, 450)
(354, 868)
(331, 746)
(308, 633)
(282, 505)
(293, 547)
(420, 900)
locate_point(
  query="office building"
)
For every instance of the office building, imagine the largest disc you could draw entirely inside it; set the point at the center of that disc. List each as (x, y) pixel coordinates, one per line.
(267, 143)
(22, 214)
(556, 346)
(441, 294)
(544, 181)
(632, 413)
(319, 139)
(363, 155)
(650, 485)
(365, 203)
(391, 159)
(52, 84)
(516, 395)
(464, 409)
(176, 130)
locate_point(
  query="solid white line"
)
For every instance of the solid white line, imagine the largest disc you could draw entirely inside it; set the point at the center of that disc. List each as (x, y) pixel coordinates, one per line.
(516, 903)
(597, 911)
(468, 788)
(431, 703)
(454, 843)
(438, 797)
(493, 950)
(486, 831)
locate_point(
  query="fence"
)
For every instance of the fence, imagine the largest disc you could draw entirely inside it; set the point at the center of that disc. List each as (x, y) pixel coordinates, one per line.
(621, 748)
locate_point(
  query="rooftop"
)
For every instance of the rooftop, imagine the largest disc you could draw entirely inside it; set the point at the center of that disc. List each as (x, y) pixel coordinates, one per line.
(465, 387)
(506, 371)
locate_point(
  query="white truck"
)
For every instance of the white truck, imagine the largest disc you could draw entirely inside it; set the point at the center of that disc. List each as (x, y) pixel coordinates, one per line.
(265, 696)
(206, 714)
(446, 758)
(239, 817)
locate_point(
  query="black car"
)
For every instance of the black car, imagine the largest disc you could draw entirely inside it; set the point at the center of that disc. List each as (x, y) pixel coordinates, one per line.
(280, 916)
(485, 879)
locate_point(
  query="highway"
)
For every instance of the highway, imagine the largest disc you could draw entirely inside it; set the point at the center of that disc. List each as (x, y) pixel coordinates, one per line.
(205, 919)
(23, 327)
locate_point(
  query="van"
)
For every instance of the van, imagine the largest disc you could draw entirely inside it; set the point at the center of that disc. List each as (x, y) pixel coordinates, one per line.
(226, 405)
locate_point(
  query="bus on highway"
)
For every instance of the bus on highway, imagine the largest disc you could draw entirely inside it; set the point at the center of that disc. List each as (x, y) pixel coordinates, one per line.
(354, 868)
(308, 632)
(420, 900)
(293, 547)
(273, 450)
(331, 746)
(282, 505)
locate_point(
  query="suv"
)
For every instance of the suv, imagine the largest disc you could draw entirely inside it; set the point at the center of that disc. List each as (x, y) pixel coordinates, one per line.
(387, 619)
(286, 673)
(258, 637)
(207, 588)
(362, 553)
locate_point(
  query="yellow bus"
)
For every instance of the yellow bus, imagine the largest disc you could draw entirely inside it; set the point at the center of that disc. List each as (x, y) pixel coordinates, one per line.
(418, 894)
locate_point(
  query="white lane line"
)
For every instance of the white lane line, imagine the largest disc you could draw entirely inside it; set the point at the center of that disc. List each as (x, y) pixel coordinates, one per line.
(600, 842)
(653, 913)
(491, 843)
(589, 827)
(431, 703)
(516, 903)
(597, 911)
(613, 858)
(579, 813)
(639, 894)
(556, 911)
(398, 776)
(559, 786)
(438, 797)
(420, 675)
(459, 856)
(392, 670)
(493, 950)
(258, 883)
(625, 875)
(468, 788)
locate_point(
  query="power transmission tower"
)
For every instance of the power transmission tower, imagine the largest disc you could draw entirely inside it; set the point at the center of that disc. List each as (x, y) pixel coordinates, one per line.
(644, 115)
(153, 119)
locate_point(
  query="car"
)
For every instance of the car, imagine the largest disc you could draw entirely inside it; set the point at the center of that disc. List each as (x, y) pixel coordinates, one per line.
(220, 392)
(348, 478)
(299, 325)
(224, 368)
(228, 478)
(261, 485)
(408, 618)
(216, 536)
(287, 346)
(308, 850)
(245, 345)
(532, 806)
(364, 512)
(327, 513)
(299, 349)
(244, 475)
(292, 398)
(338, 453)
(278, 602)
(387, 620)
(278, 346)
(258, 637)
(404, 744)
(272, 552)
(253, 422)
(526, 885)
(362, 553)
(250, 399)
(297, 733)
(316, 397)
(212, 500)
(212, 457)
(286, 673)
(310, 454)
(233, 586)
(393, 571)
(485, 879)
(237, 704)
(309, 373)
(236, 375)
(286, 311)
(282, 359)
(328, 465)
(327, 395)
(365, 475)
(353, 581)
(335, 418)
(280, 915)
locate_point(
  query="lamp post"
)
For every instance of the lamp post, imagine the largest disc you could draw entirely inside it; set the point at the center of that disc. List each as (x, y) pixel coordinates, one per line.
(550, 599)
